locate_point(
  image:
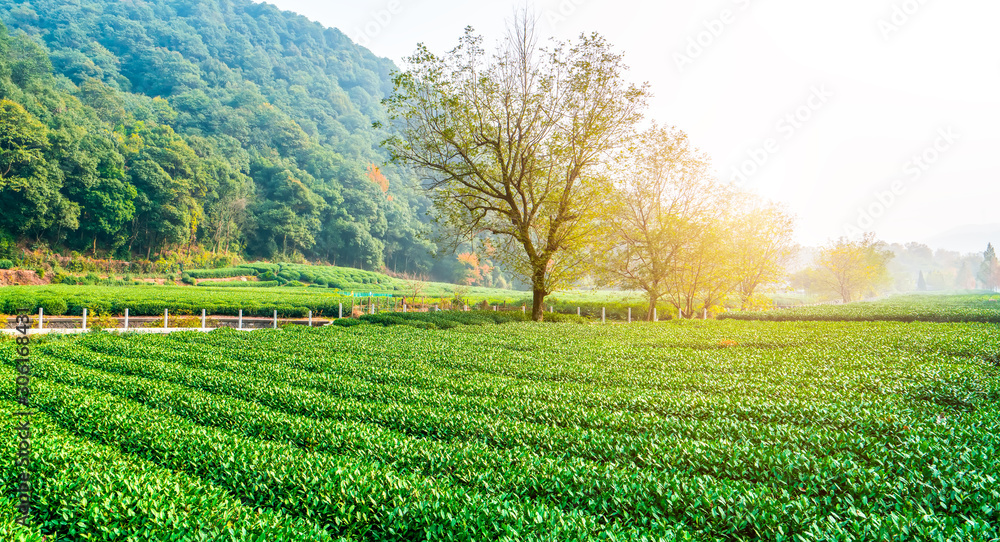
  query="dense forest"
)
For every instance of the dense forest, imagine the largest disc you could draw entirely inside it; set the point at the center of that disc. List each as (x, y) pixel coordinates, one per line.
(129, 128)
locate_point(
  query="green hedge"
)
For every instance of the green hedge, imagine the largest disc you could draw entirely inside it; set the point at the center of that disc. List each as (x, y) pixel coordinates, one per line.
(221, 273)
(240, 283)
(151, 300)
(902, 308)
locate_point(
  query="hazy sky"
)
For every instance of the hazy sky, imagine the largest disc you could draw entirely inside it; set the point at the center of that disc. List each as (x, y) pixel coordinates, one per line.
(887, 106)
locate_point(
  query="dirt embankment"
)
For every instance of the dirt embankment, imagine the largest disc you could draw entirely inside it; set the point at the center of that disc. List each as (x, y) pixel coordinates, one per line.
(19, 277)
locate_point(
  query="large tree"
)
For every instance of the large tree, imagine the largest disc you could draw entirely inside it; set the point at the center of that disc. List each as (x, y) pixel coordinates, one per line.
(856, 268)
(762, 245)
(663, 193)
(513, 144)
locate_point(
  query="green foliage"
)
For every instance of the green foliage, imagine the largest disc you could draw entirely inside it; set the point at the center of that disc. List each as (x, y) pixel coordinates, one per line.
(443, 319)
(241, 284)
(8, 247)
(54, 306)
(6, 264)
(900, 308)
(687, 431)
(14, 301)
(346, 322)
(150, 300)
(123, 493)
(222, 272)
(564, 318)
(151, 126)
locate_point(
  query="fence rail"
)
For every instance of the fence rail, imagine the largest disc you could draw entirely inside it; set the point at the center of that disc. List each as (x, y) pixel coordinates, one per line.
(168, 322)
(205, 322)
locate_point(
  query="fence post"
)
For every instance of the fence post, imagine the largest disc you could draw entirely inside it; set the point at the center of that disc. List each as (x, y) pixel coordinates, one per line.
(494, 308)
(522, 309)
(310, 318)
(203, 319)
(40, 313)
(630, 315)
(680, 315)
(239, 325)
(656, 317)
(602, 314)
(126, 318)
(85, 319)
(578, 311)
(340, 311)
(704, 314)
(165, 316)
(275, 326)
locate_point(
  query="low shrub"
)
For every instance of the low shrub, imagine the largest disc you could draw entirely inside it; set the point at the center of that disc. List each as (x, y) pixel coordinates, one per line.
(240, 283)
(221, 273)
(346, 322)
(102, 320)
(558, 318)
(54, 306)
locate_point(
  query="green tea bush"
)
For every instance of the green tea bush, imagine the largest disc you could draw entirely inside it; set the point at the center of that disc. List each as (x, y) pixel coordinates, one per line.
(261, 267)
(220, 273)
(901, 308)
(692, 431)
(54, 306)
(347, 322)
(564, 318)
(18, 301)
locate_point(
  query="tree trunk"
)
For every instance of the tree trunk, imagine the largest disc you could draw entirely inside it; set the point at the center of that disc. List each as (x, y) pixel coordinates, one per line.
(652, 306)
(537, 303)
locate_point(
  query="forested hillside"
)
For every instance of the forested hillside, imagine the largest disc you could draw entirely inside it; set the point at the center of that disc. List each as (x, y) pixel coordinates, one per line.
(133, 127)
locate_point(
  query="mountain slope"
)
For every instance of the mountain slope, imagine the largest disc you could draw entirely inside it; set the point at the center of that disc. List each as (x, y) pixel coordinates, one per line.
(238, 126)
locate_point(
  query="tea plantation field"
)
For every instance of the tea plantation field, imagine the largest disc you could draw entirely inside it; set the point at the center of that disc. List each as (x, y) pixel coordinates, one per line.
(694, 430)
(983, 307)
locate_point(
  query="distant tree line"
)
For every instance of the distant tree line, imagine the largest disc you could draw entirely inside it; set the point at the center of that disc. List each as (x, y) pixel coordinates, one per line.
(853, 269)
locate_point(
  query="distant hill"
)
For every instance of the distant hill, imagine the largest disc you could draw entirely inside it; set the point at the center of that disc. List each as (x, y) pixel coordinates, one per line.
(157, 125)
(968, 238)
